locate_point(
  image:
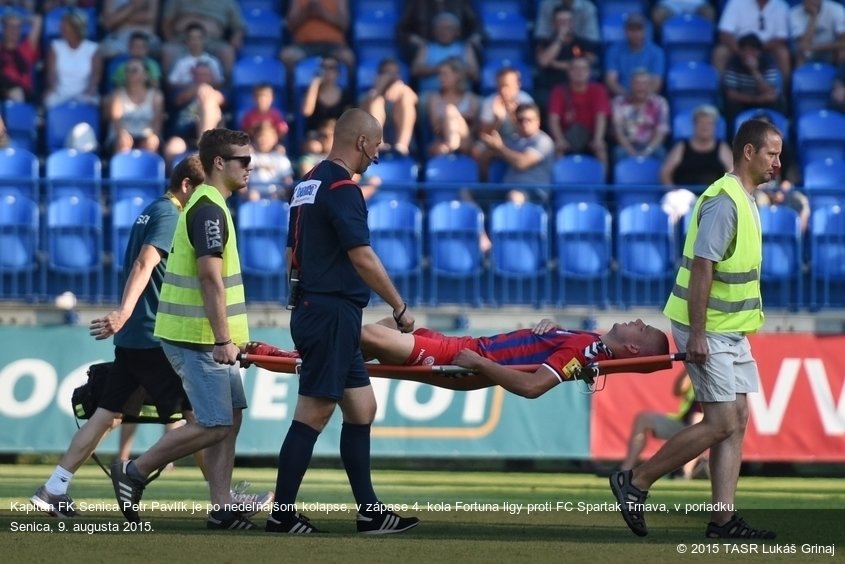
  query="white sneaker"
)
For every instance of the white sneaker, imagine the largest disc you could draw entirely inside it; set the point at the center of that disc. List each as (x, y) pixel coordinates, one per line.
(250, 504)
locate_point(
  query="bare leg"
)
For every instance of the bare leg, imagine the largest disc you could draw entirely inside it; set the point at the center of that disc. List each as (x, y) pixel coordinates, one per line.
(87, 438)
(127, 438)
(725, 460)
(643, 427)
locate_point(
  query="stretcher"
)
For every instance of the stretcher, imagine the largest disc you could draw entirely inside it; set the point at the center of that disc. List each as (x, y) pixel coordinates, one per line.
(589, 373)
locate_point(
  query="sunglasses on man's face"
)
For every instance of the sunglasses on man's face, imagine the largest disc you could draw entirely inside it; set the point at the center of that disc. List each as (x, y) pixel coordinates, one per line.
(243, 160)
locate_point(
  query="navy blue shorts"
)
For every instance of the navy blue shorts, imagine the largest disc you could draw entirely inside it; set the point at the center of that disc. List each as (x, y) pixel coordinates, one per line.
(326, 331)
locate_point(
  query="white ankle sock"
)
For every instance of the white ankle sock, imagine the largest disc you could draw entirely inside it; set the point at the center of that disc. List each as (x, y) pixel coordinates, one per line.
(59, 481)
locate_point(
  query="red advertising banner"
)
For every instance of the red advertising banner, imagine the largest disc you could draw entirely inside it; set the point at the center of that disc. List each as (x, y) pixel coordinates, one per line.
(798, 414)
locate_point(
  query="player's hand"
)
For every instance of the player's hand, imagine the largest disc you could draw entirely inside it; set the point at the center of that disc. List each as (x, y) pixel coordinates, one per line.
(467, 359)
(104, 327)
(544, 326)
(697, 349)
(226, 354)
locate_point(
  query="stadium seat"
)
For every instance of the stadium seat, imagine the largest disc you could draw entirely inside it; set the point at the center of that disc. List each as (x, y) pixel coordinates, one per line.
(519, 272)
(136, 173)
(645, 252)
(621, 7)
(396, 237)
(782, 258)
(398, 175)
(811, 86)
(19, 173)
(74, 246)
(637, 180)
(263, 35)
(445, 175)
(687, 38)
(249, 71)
(827, 257)
(267, 5)
(691, 84)
(583, 239)
(821, 135)
(123, 216)
(777, 118)
(577, 178)
(490, 68)
(683, 127)
(506, 35)
(20, 118)
(18, 247)
(612, 27)
(72, 173)
(262, 228)
(374, 27)
(824, 182)
(454, 232)
(63, 118)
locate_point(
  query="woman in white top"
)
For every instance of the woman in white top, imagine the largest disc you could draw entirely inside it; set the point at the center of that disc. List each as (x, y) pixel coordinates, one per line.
(74, 64)
(136, 111)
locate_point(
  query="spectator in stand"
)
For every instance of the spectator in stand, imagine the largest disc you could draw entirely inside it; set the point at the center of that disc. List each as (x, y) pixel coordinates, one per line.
(585, 19)
(20, 6)
(139, 48)
(446, 43)
(316, 146)
(272, 171)
(391, 97)
(498, 113)
(665, 9)
(817, 31)
(123, 19)
(136, 111)
(529, 155)
(415, 25)
(18, 56)
(181, 74)
(636, 52)
(837, 94)
(318, 29)
(221, 20)
(695, 162)
(47, 5)
(324, 99)
(578, 114)
(640, 120)
(553, 55)
(767, 19)
(263, 111)
(74, 64)
(452, 111)
(198, 108)
(751, 79)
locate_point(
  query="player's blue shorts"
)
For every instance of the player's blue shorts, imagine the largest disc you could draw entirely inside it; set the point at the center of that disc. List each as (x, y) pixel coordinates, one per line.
(326, 331)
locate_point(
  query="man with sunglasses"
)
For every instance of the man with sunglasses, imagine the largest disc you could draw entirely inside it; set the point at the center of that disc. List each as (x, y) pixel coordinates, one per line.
(201, 320)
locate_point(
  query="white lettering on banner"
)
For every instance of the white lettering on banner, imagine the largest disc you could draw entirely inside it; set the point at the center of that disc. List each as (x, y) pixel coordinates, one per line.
(44, 379)
(381, 389)
(269, 394)
(305, 192)
(73, 380)
(405, 402)
(408, 406)
(475, 408)
(832, 415)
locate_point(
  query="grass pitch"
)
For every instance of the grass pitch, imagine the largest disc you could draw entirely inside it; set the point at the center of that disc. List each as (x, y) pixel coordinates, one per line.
(466, 517)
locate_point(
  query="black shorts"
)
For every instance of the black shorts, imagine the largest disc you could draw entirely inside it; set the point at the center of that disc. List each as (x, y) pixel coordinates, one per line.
(140, 373)
(326, 331)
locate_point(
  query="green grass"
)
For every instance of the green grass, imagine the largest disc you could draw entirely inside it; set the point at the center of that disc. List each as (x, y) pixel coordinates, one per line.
(803, 510)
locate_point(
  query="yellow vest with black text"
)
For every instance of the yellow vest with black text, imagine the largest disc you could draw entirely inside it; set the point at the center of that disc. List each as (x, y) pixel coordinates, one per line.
(735, 303)
(181, 315)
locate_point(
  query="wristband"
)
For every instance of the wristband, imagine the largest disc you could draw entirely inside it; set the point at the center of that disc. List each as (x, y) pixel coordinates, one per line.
(396, 318)
(224, 343)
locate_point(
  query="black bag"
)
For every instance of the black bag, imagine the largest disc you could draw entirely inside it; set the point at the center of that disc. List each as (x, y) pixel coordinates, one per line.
(139, 408)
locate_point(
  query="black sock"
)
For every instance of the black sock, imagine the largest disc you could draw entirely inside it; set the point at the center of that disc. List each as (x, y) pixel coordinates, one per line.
(355, 454)
(294, 457)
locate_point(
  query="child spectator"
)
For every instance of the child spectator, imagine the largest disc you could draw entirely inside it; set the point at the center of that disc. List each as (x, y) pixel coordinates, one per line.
(139, 48)
(272, 172)
(263, 111)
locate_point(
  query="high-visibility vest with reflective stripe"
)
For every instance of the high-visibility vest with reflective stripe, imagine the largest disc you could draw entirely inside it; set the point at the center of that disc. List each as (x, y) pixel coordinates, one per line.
(735, 304)
(181, 315)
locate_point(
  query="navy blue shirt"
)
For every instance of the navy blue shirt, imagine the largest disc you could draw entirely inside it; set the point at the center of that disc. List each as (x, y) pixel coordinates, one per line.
(155, 226)
(328, 217)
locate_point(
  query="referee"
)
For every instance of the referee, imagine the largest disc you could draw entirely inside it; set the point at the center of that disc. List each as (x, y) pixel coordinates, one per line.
(332, 270)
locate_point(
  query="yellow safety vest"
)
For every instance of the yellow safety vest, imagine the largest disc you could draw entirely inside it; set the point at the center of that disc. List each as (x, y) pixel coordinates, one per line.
(181, 315)
(735, 303)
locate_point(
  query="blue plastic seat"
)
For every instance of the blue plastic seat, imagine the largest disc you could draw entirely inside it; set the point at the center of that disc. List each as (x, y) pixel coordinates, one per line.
(61, 119)
(612, 26)
(398, 175)
(74, 245)
(504, 29)
(375, 26)
(263, 33)
(18, 247)
(637, 180)
(73, 173)
(53, 21)
(821, 135)
(262, 228)
(136, 173)
(692, 84)
(584, 256)
(777, 118)
(19, 173)
(396, 237)
(645, 252)
(687, 38)
(519, 272)
(445, 175)
(683, 126)
(811, 86)
(124, 215)
(20, 118)
(783, 261)
(578, 178)
(827, 257)
(454, 231)
(621, 7)
(824, 182)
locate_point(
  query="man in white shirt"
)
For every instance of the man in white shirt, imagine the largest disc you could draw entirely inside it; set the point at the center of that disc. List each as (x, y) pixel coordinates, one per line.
(817, 31)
